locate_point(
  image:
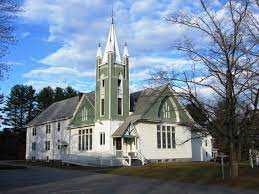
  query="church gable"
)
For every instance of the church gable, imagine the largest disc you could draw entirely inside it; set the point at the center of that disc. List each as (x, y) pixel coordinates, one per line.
(85, 114)
(166, 108)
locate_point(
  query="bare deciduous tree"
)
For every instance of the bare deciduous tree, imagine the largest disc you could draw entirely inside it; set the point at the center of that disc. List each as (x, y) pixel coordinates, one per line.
(227, 67)
(8, 11)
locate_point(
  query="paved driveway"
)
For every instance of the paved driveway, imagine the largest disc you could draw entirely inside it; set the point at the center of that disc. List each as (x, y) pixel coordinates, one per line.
(49, 180)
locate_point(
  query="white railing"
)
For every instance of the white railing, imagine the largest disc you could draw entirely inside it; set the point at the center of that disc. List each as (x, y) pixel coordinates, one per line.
(141, 157)
(93, 160)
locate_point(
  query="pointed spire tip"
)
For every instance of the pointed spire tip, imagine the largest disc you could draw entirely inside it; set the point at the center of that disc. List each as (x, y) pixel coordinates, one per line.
(99, 50)
(126, 51)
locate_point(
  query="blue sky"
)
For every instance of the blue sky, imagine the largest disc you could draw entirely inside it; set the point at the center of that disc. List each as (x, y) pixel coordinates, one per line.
(58, 40)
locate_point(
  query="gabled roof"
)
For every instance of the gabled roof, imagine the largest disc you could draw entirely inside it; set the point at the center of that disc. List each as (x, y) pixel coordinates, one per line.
(145, 98)
(61, 110)
(91, 97)
(129, 120)
(140, 102)
(57, 111)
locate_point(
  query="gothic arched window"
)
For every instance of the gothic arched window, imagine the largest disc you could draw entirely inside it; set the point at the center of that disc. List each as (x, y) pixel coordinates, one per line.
(165, 109)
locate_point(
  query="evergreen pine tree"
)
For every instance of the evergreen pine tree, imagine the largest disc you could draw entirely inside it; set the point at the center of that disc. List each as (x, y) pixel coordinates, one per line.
(45, 98)
(20, 106)
(59, 94)
(70, 92)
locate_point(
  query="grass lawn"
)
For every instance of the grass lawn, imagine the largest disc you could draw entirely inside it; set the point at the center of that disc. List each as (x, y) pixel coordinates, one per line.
(200, 173)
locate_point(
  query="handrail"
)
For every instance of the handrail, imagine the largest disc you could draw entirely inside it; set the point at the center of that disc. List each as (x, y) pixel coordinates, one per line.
(142, 157)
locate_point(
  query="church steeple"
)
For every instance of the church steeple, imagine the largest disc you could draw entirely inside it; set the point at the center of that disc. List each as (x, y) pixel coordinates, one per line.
(112, 45)
(112, 80)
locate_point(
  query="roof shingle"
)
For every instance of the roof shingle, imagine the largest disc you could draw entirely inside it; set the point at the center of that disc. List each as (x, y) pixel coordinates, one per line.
(57, 111)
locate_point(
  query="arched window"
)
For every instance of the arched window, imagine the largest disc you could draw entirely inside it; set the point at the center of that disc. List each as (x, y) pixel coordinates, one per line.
(165, 110)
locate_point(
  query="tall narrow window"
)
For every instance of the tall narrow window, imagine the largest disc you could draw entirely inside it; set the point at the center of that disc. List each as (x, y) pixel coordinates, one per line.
(59, 146)
(33, 131)
(119, 106)
(33, 146)
(79, 140)
(163, 137)
(83, 139)
(102, 138)
(47, 145)
(48, 128)
(158, 136)
(84, 114)
(58, 126)
(119, 83)
(173, 137)
(86, 139)
(103, 83)
(166, 112)
(102, 107)
(90, 139)
(169, 137)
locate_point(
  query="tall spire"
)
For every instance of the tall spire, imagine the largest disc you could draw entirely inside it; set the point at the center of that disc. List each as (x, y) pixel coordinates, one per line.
(112, 14)
(99, 51)
(125, 51)
(112, 43)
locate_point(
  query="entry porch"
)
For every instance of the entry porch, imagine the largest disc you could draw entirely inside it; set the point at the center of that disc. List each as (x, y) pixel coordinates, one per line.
(127, 147)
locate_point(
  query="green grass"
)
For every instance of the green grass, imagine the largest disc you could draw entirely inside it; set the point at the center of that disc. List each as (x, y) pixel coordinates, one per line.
(199, 173)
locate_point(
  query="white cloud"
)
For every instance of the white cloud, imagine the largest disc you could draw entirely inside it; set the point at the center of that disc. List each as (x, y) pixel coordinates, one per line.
(25, 34)
(62, 77)
(161, 63)
(140, 75)
(80, 24)
(53, 71)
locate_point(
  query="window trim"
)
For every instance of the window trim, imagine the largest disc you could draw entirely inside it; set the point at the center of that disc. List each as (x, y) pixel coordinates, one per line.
(85, 139)
(165, 137)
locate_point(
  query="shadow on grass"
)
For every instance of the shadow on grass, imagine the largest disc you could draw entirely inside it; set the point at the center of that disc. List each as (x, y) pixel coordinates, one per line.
(11, 167)
(198, 173)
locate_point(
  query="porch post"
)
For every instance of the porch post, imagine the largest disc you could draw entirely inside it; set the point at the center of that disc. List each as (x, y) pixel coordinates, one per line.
(122, 143)
(136, 144)
(129, 160)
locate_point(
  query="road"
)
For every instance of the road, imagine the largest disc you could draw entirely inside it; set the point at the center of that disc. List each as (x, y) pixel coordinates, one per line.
(50, 180)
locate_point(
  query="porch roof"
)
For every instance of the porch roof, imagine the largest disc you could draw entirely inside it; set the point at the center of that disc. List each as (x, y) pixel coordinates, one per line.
(123, 128)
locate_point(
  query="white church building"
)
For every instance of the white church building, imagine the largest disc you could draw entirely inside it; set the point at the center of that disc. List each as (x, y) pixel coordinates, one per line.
(111, 127)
